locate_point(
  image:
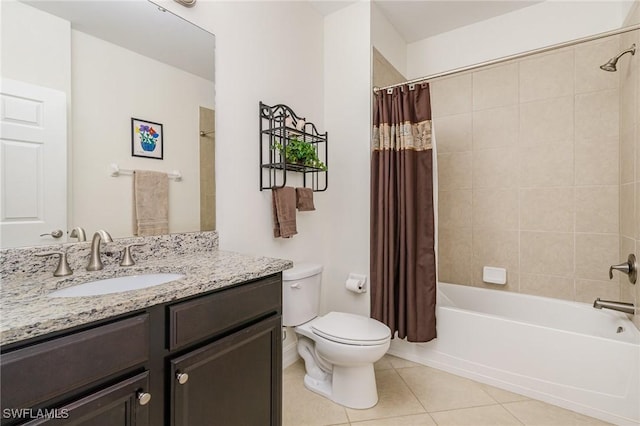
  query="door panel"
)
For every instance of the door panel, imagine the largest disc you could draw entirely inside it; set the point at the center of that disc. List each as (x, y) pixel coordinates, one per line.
(33, 164)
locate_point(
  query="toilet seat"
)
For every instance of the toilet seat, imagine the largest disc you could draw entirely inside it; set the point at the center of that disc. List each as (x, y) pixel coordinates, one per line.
(351, 329)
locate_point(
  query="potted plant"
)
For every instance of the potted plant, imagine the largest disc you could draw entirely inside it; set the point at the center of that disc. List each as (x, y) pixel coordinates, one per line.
(300, 152)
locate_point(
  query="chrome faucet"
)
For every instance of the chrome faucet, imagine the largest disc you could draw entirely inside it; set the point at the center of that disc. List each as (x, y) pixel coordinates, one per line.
(627, 308)
(95, 263)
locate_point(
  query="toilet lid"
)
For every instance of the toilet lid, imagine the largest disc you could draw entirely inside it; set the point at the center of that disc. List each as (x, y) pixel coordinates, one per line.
(351, 329)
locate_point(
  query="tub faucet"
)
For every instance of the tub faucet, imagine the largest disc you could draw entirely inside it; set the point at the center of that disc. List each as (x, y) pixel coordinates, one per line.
(95, 263)
(627, 308)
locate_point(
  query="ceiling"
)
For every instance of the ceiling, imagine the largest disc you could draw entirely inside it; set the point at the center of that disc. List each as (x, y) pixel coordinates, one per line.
(142, 27)
(418, 19)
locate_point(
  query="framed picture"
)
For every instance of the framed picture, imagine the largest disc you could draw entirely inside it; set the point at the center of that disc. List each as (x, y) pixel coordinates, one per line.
(146, 139)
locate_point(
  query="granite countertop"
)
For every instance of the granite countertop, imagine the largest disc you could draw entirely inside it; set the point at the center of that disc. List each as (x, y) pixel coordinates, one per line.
(27, 311)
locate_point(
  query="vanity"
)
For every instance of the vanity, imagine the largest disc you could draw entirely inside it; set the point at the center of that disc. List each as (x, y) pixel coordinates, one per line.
(202, 350)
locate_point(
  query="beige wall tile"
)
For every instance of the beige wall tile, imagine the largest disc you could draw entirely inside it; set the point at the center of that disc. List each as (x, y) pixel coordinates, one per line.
(597, 161)
(597, 209)
(589, 290)
(634, 14)
(547, 286)
(547, 165)
(451, 95)
(548, 253)
(454, 244)
(595, 253)
(454, 170)
(636, 215)
(627, 156)
(628, 100)
(627, 210)
(453, 133)
(547, 76)
(597, 114)
(495, 168)
(589, 56)
(454, 208)
(496, 128)
(498, 248)
(625, 288)
(547, 209)
(495, 208)
(495, 87)
(547, 121)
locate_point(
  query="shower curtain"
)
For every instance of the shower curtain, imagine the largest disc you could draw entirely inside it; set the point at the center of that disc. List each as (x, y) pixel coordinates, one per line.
(403, 274)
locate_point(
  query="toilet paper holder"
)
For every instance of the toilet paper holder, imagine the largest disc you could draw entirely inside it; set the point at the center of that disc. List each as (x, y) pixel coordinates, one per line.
(356, 283)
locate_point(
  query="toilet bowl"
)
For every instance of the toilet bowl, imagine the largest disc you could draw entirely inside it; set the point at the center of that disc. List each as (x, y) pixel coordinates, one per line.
(338, 349)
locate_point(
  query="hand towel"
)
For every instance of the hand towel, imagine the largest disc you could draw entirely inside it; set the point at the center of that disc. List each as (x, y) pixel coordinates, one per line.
(284, 212)
(304, 199)
(150, 203)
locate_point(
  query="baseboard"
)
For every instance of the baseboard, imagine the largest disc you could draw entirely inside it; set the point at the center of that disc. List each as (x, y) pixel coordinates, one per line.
(289, 354)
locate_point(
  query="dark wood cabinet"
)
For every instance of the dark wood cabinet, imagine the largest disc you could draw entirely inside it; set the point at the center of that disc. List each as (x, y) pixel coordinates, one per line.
(122, 404)
(230, 381)
(227, 342)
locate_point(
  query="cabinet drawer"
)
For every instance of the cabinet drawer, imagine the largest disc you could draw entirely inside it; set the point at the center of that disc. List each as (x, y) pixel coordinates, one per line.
(206, 316)
(37, 373)
(117, 405)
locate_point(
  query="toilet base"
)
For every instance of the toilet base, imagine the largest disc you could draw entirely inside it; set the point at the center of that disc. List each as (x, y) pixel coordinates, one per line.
(352, 387)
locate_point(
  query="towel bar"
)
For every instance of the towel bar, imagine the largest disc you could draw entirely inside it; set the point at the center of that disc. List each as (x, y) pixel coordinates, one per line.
(117, 171)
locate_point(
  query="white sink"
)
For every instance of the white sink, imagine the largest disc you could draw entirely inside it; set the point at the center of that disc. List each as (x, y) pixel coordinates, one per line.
(116, 285)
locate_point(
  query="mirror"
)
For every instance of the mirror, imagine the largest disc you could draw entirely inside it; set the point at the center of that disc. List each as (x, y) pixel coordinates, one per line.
(113, 61)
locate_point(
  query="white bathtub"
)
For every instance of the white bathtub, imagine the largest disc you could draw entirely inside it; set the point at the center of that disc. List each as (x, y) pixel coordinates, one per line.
(565, 353)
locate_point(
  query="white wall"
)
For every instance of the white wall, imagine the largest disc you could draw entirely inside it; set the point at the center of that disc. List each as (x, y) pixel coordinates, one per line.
(529, 28)
(35, 46)
(387, 40)
(270, 52)
(111, 85)
(347, 68)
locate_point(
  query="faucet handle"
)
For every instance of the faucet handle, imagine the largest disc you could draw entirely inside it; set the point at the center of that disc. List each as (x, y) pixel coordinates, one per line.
(630, 267)
(78, 232)
(127, 259)
(63, 268)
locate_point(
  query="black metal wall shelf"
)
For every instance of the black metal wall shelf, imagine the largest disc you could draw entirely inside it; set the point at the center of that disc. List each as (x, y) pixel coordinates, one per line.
(280, 125)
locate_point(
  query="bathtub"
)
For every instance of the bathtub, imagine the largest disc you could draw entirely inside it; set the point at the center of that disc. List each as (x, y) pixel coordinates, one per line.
(565, 353)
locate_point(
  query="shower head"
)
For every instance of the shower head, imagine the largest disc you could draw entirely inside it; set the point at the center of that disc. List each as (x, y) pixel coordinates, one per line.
(611, 63)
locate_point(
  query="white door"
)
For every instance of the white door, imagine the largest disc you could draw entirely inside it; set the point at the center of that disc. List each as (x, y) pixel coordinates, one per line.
(33, 164)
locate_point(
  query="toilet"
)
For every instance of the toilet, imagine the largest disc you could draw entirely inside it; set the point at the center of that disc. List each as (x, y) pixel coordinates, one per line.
(338, 348)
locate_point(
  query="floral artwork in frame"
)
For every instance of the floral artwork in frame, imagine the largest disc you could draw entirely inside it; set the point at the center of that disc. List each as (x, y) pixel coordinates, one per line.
(146, 139)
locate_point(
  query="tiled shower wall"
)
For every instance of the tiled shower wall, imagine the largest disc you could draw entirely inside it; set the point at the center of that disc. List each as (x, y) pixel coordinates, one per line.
(629, 74)
(529, 173)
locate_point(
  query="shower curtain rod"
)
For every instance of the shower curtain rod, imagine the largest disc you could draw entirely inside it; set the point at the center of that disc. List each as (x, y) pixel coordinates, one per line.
(511, 57)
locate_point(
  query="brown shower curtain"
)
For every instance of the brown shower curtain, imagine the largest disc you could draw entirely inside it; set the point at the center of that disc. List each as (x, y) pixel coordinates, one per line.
(403, 272)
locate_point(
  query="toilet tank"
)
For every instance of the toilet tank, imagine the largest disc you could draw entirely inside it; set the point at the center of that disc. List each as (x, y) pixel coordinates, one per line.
(300, 293)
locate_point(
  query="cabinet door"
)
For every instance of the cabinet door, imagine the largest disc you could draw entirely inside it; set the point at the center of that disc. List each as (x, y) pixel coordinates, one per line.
(234, 381)
(117, 405)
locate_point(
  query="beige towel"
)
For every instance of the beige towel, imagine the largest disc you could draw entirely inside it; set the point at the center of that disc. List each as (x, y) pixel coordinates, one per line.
(304, 199)
(284, 212)
(150, 203)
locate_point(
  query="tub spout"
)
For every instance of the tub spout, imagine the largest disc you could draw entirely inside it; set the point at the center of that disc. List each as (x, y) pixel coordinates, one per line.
(627, 308)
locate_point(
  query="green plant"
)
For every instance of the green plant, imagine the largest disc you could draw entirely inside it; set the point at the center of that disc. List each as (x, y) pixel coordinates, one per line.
(300, 152)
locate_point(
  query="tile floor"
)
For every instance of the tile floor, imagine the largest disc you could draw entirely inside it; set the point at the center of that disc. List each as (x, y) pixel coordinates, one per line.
(412, 394)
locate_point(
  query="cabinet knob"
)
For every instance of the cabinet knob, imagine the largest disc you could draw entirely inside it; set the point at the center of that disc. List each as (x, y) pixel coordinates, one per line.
(144, 398)
(182, 378)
